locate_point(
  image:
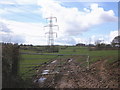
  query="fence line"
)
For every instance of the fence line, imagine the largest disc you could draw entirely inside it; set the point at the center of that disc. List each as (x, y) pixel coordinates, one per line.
(31, 63)
(36, 58)
(54, 54)
(45, 63)
(35, 67)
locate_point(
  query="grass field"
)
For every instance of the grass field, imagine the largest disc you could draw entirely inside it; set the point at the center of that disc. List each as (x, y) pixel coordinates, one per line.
(30, 61)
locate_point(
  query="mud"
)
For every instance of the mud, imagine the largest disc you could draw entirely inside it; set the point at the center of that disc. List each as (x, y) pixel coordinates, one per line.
(68, 73)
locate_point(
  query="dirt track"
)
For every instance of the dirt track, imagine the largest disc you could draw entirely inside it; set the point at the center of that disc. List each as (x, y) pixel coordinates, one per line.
(72, 75)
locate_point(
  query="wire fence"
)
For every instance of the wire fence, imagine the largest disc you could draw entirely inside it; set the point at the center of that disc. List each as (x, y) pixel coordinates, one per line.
(40, 60)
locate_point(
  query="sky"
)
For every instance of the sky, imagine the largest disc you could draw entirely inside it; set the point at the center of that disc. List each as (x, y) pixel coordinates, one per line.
(23, 21)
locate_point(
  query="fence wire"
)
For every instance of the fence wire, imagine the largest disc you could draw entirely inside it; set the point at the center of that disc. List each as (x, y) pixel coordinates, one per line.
(28, 68)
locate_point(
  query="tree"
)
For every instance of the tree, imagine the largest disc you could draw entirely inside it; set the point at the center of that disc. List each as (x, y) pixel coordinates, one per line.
(116, 41)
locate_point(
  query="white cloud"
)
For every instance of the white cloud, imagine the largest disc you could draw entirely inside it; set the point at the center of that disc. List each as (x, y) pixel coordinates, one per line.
(67, 40)
(86, 10)
(94, 6)
(2, 11)
(26, 1)
(11, 10)
(7, 2)
(24, 27)
(4, 28)
(15, 9)
(8, 36)
(113, 34)
(89, 0)
(12, 38)
(30, 33)
(16, 6)
(104, 38)
(18, 1)
(81, 40)
(72, 22)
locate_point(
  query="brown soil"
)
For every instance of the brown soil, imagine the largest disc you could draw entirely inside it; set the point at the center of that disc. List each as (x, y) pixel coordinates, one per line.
(72, 75)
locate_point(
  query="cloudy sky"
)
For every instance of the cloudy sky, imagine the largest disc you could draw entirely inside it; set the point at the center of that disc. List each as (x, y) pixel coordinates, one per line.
(22, 21)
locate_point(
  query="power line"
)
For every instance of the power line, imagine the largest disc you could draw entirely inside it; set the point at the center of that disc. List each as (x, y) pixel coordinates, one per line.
(50, 33)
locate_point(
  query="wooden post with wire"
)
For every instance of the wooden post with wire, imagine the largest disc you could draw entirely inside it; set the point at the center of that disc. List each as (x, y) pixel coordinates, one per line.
(88, 63)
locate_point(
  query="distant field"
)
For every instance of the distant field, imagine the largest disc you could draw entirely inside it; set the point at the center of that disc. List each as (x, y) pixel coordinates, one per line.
(112, 55)
(35, 60)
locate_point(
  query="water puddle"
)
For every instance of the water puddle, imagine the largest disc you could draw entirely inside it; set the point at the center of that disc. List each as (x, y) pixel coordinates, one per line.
(45, 72)
(55, 72)
(41, 80)
(54, 61)
(70, 60)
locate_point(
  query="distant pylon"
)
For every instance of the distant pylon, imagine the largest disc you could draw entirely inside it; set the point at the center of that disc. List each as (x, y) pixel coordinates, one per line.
(50, 33)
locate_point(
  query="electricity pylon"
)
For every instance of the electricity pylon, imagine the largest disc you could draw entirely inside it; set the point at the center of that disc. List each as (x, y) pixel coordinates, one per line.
(51, 33)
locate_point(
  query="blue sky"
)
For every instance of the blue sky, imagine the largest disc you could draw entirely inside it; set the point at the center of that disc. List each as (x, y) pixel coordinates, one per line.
(78, 21)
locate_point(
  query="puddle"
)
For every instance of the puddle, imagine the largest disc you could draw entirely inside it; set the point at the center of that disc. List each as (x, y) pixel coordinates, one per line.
(41, 80)
(54, 61)
(45, 72)
(55, 72)
(70, 60)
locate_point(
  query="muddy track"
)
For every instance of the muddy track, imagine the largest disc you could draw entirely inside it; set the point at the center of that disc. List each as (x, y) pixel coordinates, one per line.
(78, 78)
(108, 76)
(72, 75)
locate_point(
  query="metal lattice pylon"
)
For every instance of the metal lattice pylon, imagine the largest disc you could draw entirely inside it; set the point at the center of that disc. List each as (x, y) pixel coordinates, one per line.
(50, 33)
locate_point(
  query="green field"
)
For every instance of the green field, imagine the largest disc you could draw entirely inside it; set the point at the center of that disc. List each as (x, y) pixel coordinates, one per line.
(28, 62)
